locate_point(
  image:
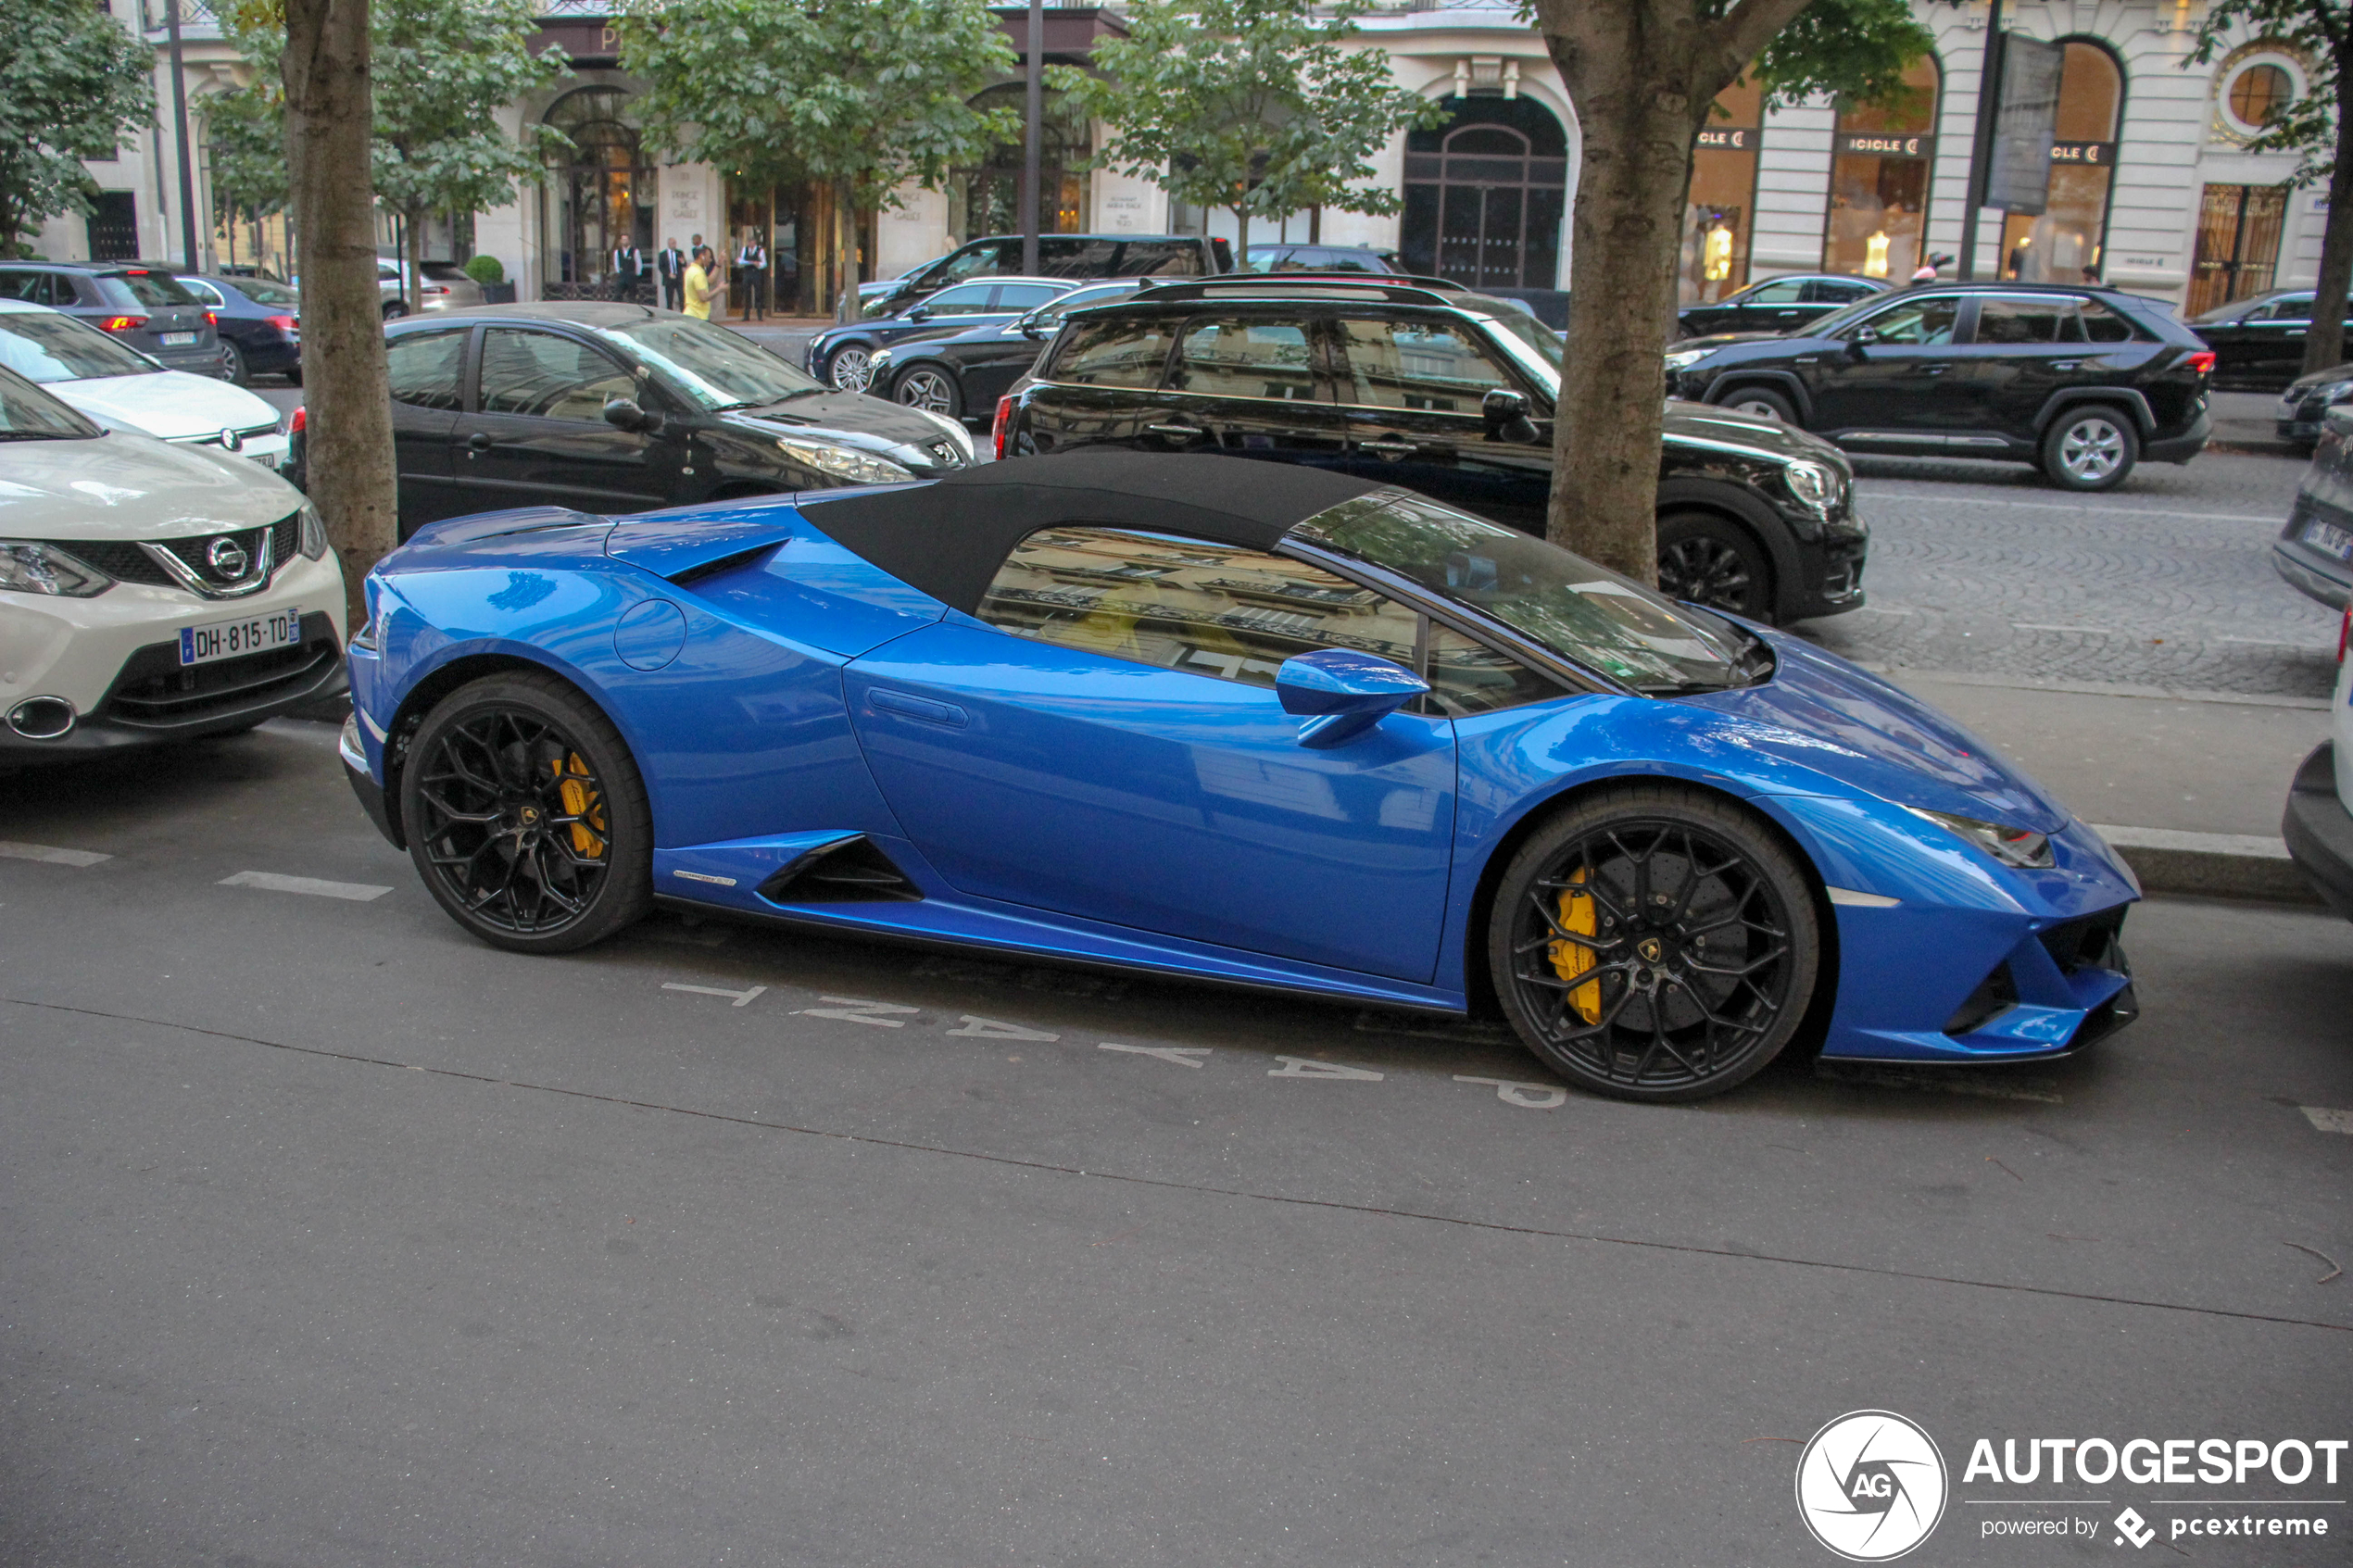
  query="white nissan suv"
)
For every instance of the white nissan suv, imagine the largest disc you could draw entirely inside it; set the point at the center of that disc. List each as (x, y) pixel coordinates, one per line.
(150, 591)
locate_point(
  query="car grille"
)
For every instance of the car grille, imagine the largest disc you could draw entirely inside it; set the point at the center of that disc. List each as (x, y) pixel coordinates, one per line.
(155, 692)
(2092, 942)
(253, 433)
(128, 562)
(121, 561)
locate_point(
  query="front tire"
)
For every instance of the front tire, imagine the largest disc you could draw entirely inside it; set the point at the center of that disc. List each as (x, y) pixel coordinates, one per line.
(1760, 403)
(527, 816)
(1710, 560)
(1655, 942)
(931, 389)
(395, 309)
(850, 367)
(2090, 448)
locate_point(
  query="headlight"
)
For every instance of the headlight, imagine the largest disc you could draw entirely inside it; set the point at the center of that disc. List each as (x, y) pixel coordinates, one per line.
(2012, 846)
(30, 567)
(314, 533)
(858, 468)
(1816, 485)
(1684, 359)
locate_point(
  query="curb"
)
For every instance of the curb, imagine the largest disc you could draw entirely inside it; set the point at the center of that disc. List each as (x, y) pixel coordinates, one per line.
(2210, 865)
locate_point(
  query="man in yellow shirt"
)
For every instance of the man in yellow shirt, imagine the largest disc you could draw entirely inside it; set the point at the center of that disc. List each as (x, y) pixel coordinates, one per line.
(704, 286)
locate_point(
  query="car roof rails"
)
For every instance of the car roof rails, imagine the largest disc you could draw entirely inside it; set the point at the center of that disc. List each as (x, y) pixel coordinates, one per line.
(1395, 288)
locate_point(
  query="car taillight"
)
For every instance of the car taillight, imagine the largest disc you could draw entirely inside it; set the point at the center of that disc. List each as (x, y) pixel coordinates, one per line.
(434, 288)
(2345, 633)
(211, 318)
(2202, 363)
(123, 323)
(1004, 424)
(301, 417)
(286, 324)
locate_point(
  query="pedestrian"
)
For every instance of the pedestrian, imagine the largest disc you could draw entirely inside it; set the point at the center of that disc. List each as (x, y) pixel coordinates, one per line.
(671, 263)
(753, 260)
(704, 287)
(628, 267)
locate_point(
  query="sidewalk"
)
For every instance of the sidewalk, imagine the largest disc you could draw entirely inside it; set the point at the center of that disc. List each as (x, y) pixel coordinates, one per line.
(2244, 421)
(2188, 787)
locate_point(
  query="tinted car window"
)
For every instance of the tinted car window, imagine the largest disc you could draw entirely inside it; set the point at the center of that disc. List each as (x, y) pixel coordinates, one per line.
(46, 348)
(976, 262)
(31, 287)
(1114, 354)
(1182, 604)
(1244, 360)
(1349, 262)
(154, 289)
(1078, 299)
(1918, 320)
(423, 368)
(711, 365)
(1466, 677)
(1021, 297)
(267, 294)
(1780, 291)
(1432, 366)
(1076, 258)
(1157, 258)
(2289, 310)
(27, 410)
(2028, 320)
(1270, 258)
(2103, 325)
(547, 376)
(966, 299)
(205, 293)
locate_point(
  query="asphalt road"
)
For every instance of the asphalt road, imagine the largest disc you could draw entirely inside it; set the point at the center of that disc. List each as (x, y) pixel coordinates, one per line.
(331, 1237)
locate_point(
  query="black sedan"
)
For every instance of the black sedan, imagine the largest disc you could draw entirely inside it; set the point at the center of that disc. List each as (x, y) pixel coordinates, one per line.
(259, 321)
(616, 408)
(956, 373)
(2259, 340)
(1778, 305)
(843, 357)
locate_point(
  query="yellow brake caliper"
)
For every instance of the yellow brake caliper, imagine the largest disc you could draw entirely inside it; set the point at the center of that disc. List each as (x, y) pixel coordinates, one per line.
(583, 803)
(1569, 960)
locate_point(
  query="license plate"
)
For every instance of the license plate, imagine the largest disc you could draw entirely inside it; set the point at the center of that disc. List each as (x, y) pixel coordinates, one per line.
(2329, 539)
(234, 639)
(177, 340)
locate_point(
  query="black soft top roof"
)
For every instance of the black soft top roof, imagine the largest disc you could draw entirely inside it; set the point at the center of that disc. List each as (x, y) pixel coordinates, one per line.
(950, 537)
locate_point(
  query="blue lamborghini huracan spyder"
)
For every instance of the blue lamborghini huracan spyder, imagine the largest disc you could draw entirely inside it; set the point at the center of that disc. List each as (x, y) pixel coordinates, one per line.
(1236, 721)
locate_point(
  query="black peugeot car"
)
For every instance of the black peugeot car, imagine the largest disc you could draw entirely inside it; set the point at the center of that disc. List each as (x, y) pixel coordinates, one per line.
(2082, 382)
(619, 408)
(1442, 391)
(1777, 305)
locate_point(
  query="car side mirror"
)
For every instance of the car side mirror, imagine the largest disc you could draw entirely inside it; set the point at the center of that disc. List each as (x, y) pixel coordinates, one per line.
(1342, 693)
(1506, 415)
(1036, 331)
(622, 414)
(1863, 338)
(919, 313)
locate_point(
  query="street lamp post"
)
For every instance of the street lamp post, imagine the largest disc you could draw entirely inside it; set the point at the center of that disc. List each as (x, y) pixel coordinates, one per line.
(180, 131)
(1980, 154)
(1036, 95)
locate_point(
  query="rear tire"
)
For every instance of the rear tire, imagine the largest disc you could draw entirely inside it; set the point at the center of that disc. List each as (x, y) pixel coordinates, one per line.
(1760, 403)
(2090, 448)
(1713, 561)
(1685, 968)
(526, 815)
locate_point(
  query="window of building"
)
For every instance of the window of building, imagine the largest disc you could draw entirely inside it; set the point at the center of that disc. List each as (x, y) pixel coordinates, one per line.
(1719, 210)
(2063, 243)
(2256, 92)
(2238, 245)
(987, 199)
(1485, 195)
(599, 193)
(1880, 180)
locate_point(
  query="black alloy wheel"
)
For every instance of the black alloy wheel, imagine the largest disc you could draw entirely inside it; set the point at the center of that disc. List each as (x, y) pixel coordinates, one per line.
(1761, 403)
(526, 817)
(931, 389)
(1709, 560)
(1654, 943)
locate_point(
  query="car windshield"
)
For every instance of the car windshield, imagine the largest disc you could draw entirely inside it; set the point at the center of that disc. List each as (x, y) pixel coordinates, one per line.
(27, 413)
(711, 364)
(1581, 610)
(268, 294)
(1847, 315)
(157, 290)
(45, 347)
(1535, 335)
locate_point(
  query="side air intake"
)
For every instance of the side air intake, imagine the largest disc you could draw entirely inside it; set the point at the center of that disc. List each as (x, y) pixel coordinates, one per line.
(848, 870)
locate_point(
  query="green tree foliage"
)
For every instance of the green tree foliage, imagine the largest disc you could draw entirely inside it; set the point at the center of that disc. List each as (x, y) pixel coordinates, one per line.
(2319, 125)
(244, 131)
(1257, 106)
(861, 95)
(1857, 50)
(73, 86)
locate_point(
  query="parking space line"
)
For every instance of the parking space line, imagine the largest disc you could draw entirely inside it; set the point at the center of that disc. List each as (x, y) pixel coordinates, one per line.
(1308, 1067)
(1183, 1056)
(739, 998)
(2327, 1120)
(270, 882)
(48, 854)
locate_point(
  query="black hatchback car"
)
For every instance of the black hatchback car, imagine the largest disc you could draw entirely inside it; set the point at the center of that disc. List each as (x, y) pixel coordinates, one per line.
(1441, 391)
(618, 408)
(144, 305)
(1777, 305)
(2082, 382)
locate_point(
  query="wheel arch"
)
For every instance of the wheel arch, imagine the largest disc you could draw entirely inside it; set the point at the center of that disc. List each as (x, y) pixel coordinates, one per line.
(2123, 397)
(437, 684)
(1731, 380)
(1479, 986)
(1754, 516)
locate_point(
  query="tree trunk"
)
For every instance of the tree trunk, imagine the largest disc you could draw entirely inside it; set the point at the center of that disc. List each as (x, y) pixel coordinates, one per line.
(329, 114)
(2325, 343)
(1241, 239)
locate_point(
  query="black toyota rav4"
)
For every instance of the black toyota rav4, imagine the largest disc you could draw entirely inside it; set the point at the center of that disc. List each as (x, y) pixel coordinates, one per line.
(2082, 382)
(1437, 390)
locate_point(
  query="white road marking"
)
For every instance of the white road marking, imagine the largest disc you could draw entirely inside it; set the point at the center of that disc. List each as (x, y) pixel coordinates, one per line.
(978, 1028)
(2327, 1120)
(1535, 1096)
(741, 998)
(50, 856)
(270, 882)
(1305, 1067)
(2079, 631)
(1183, 1056)
(850, 1010)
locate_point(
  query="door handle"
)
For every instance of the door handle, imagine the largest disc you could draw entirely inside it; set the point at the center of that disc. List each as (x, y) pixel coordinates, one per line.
(1187, 430)
(2296, 332)
(479, 442)
(921, 708)
(1389, 448)
(1936, 369)
(2063, 364)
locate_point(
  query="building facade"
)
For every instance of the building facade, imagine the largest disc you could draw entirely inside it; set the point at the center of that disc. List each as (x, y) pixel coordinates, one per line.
(2152, 188)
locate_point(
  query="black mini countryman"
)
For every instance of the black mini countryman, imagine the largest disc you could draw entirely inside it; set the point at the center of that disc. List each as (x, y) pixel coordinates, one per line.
(1443, 392)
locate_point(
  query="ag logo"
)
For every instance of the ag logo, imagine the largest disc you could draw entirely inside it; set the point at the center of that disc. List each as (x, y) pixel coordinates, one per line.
(1870, 1486)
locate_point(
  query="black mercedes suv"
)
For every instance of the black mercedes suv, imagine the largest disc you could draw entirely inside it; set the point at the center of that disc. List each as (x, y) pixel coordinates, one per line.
(2082, 382)
(1437, 390)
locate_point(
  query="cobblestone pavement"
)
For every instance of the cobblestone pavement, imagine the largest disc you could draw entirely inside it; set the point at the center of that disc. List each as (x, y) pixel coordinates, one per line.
(2166, 582)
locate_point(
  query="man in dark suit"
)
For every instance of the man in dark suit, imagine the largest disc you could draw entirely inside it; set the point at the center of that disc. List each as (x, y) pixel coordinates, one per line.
(628, 267)
(752, 260)
(671, 263)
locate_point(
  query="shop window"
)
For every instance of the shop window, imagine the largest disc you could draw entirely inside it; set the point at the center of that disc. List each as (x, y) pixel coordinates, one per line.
(1880, 180)
(1719, 210)
(2063, 243)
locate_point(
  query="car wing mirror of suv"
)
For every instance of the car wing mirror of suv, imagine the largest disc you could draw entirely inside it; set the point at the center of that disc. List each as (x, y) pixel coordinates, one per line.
(1506, 415)
(622, 414)
(1861, 339)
